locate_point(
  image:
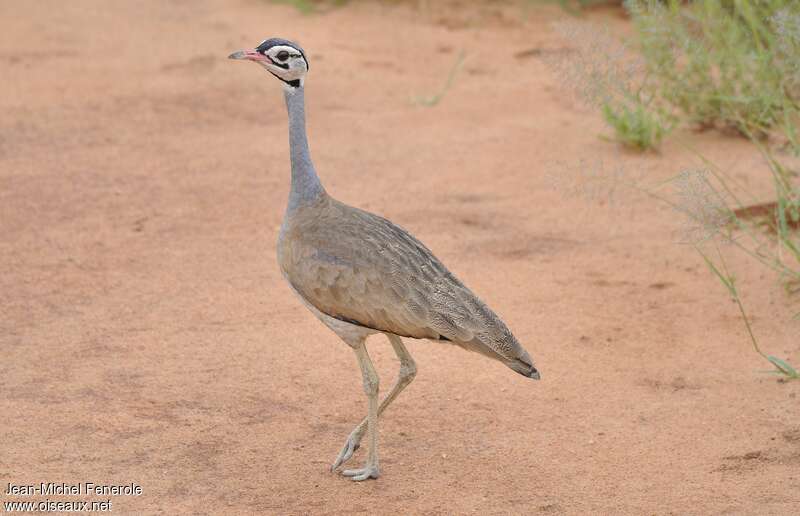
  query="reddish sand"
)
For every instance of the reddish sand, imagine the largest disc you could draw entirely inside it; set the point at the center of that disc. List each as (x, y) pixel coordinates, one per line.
(147, 335)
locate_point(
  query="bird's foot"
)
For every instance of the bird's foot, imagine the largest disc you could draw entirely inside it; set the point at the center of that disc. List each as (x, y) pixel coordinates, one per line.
(368, 471)
(350, 446)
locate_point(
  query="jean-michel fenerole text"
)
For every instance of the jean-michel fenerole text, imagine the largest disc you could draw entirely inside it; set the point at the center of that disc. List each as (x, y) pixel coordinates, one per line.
(78, 489)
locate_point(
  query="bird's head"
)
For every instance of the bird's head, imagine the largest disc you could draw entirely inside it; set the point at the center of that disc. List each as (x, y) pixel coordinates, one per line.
(282, 58)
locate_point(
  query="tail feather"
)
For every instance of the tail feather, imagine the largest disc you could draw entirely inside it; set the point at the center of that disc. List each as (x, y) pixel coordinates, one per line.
(524, 366)
(521, 363)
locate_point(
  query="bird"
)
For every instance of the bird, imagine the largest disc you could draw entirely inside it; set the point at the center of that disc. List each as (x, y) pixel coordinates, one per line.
(361, 274)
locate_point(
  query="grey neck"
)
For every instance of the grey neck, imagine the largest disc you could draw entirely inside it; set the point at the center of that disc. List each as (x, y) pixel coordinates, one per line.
(306, 186)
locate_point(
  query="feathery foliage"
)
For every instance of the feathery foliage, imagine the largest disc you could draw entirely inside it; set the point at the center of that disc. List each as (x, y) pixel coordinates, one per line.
(725, 64)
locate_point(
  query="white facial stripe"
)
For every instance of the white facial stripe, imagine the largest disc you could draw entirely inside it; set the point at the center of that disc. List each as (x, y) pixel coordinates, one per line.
(277, 49)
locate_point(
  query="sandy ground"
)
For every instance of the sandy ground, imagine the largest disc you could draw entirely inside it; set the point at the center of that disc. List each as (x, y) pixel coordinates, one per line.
(147, 335)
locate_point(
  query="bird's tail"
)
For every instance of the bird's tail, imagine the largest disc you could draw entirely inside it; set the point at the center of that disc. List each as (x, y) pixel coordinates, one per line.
(524, 365)
(521, 361)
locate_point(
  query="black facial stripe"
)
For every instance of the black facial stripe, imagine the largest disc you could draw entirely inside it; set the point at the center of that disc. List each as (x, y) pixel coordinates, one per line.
(294, 84)
(285, 66)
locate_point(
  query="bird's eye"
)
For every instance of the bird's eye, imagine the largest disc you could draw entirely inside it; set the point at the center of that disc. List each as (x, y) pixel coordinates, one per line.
(283, 55)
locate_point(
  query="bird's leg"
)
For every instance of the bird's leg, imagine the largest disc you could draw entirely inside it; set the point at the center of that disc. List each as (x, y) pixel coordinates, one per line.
(408, 370)
(370, 469)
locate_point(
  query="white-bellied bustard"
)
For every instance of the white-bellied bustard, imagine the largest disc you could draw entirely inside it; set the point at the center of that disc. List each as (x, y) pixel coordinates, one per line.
(360, 274)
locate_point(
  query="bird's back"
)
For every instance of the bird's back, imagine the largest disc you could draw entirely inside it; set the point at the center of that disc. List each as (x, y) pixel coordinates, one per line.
(360, 268)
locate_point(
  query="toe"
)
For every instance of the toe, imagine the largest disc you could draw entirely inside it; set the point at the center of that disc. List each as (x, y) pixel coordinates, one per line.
(344, 455)
(361, 474)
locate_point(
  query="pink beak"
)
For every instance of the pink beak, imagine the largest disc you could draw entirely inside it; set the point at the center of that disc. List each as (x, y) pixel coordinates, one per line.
(250, 55)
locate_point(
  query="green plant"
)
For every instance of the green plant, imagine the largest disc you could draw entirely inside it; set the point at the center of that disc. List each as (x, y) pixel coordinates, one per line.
(635, 125)
(720, 63)
(432, 100)
(310, 6)
(717, 215)
(712, 221)
(304, 6)
(602, 72)
(781, 366)
(735, 64)
(575, 7)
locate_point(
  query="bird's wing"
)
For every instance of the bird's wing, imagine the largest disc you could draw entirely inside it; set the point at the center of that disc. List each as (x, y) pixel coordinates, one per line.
(361, 268)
